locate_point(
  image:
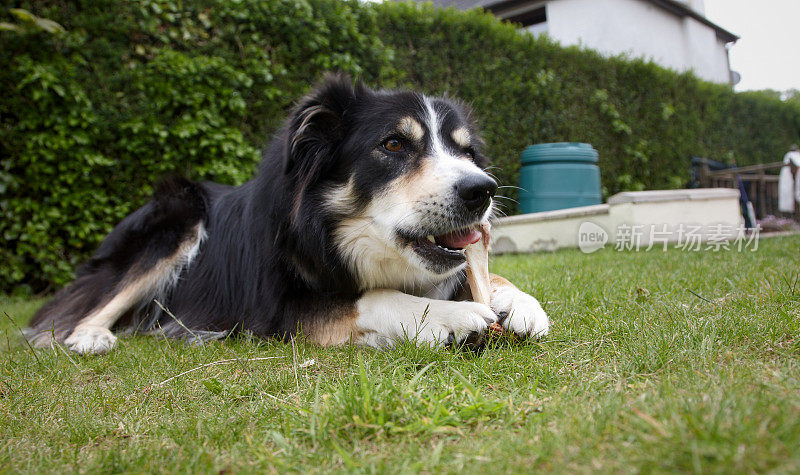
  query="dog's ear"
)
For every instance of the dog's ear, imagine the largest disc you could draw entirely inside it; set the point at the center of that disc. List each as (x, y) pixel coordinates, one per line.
(317, 125)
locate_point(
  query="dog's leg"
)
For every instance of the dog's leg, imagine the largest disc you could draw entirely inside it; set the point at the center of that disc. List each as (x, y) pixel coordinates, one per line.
(93, 333)
(520, 313)
(141, 257)
(380, 318)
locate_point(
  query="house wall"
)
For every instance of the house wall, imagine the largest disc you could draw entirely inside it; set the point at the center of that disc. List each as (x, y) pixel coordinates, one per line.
(640, 29)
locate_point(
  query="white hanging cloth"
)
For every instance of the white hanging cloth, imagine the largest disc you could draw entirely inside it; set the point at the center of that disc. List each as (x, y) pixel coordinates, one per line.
(789, 186)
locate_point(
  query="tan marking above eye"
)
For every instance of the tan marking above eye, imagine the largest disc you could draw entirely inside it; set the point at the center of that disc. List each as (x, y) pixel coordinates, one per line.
(461, 136)
(412, 129)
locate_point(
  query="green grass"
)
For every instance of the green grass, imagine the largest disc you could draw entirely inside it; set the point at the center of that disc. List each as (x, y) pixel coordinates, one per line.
(676, 361)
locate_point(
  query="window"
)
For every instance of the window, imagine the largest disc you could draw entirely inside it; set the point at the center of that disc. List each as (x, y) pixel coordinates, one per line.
(530, 18)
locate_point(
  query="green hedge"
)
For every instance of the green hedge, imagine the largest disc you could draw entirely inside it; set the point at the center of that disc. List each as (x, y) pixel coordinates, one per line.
(131, 91)
(134, 91)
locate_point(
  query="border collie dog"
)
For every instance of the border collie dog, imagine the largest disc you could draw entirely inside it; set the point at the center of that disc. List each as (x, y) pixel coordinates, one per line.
(352, 231)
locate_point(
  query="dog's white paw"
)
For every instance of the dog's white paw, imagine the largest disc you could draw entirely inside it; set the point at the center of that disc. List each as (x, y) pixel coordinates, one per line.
(446, 322)
(388, 316)
(523, 314)
(91, 340)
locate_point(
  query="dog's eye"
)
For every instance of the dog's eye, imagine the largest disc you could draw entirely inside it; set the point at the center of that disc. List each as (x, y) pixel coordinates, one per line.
(469, 153)
(393, 145)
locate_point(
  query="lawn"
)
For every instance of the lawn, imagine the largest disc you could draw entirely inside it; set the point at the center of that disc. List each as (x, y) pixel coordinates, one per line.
(657, 361)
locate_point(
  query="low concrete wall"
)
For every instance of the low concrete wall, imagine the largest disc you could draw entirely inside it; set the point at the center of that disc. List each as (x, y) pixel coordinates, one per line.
(629, 220)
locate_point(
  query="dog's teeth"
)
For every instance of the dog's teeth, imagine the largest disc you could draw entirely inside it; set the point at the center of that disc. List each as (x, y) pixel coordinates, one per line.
(431, 238)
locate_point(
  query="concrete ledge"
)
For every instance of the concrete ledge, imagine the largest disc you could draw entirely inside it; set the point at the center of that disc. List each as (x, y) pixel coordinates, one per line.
(581, 211)
(648, 217)
(653, 196)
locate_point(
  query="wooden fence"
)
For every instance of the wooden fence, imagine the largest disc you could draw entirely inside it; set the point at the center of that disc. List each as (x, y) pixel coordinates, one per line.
(760, 183)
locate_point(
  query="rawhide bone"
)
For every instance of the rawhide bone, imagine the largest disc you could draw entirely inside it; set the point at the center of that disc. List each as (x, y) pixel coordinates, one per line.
(477, 255)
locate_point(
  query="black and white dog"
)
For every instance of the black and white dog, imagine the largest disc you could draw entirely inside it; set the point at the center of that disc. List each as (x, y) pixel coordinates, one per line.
(352, 231)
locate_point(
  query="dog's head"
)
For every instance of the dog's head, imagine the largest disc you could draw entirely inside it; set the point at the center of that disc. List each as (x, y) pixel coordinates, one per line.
(396, 176)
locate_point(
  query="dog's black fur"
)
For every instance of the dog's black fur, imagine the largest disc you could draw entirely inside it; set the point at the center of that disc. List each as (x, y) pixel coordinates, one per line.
(269, 263)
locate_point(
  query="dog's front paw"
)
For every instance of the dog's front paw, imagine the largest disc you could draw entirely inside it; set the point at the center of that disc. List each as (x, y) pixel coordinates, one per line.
(520, 313)
(91, 340)
(385, 317)
(447, 323)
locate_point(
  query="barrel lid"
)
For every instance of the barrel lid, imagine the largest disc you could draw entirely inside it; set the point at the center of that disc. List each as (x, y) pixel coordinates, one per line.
(559, 152)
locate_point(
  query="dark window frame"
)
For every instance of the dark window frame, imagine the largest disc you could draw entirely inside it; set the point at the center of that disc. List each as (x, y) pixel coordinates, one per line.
(536, 16)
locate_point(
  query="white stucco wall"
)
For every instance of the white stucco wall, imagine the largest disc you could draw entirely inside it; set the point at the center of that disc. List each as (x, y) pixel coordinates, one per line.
(640, 29)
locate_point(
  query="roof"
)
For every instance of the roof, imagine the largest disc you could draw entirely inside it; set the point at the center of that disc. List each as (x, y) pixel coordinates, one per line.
(464, 4)
(671, 6)
(682, 11)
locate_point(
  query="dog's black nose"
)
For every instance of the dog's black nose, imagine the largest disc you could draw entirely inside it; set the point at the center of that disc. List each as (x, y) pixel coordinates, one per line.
(476, 190)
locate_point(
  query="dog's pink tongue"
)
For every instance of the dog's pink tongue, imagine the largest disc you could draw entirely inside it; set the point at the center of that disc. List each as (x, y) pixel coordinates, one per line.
(459, 239)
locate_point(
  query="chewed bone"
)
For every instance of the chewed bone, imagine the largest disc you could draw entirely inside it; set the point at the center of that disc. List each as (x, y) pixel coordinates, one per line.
(478, 270)
(478, 266)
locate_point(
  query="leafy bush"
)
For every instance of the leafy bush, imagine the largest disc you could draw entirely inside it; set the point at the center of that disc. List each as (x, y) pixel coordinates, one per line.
(133, 91)
(103, 98)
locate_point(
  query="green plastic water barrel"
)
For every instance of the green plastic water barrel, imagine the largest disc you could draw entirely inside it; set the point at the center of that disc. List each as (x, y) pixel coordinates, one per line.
(558, 176)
